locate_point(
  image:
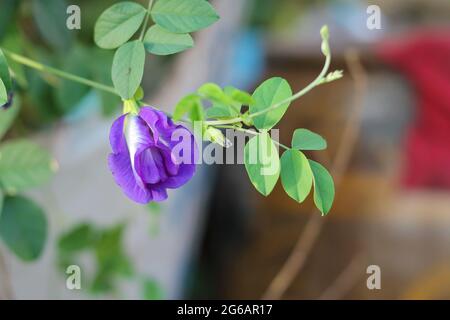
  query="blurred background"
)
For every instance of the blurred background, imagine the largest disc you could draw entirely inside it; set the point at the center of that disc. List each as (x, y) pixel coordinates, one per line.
(387, 123)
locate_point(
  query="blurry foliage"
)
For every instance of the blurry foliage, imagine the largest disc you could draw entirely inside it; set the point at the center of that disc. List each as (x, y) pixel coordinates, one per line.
(105, 248)
(281, 13)
(37, 29)
(23, 165)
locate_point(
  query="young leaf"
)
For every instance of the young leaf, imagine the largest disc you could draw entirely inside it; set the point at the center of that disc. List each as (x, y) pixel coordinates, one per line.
(269, 93)
(304, 139)
(296, 175)
(181, 16)
(128, 68)
(23, 164)
(161, 42)
(117, 24)
(220, 111)
(190, 105)
(213, 92)
(262, 163)
(239, 96)
(3, 93)
(4, 72)
(7, 116)
(323, 187)
(23, 227)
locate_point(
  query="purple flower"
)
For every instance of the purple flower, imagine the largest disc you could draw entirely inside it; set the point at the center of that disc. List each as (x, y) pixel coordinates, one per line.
(150, 154)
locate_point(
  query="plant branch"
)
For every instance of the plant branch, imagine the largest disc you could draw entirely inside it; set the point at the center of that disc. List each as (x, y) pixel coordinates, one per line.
(296, 260)
(318, 81)
(147, 16)
(59, 73)
(252, 132)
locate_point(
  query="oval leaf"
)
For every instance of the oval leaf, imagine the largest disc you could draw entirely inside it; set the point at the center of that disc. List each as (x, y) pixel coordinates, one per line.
(117, 24)
(4, 72)
(296, 175)
(262, 163)
(239, 96)
(3, 93)
(23, 164)
(128, 68)
(161, 42)
(181, 16)
(269, 93)
(323, 187)
(7, 116)
(304, 139)
(23, 227)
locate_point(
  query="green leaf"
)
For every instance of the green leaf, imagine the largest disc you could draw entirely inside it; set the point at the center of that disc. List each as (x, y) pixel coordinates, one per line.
(110, 253)
(269, 93)
(7, 15)
(239, 96)
(24, 164)
(23, 227)
(181, 16)
(4, 72)
(81, 237)
(323, 187)
(14, 42)
(220, 111)
(50, 17)
(117, 24)
(7, 116)
(215, 93)
(3, 94)
(151, 290)
(128, 68)
(304, 139)
(161, 42)
(190, 105)
(296, 175)
(262, 163)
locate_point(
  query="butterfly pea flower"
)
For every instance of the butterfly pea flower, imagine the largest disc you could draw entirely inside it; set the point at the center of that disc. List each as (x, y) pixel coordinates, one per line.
(150, 154)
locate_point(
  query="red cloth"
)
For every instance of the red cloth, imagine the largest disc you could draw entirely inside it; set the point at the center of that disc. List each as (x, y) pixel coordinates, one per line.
(424, 58)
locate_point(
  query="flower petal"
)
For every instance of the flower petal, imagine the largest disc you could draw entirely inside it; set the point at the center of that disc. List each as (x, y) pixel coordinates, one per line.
(117, 137)
(149, 164)
(150, 116)
(159, 194)
(138, 137)
(120, 166)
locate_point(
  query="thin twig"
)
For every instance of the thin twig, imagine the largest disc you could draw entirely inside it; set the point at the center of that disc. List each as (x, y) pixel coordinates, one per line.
(346, 279)
(5, 279)
(295, 262)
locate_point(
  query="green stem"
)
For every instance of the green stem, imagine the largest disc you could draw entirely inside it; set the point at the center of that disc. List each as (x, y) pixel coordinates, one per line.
(252, 132)
(62, 74)
(318, 81)
(147, 16)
